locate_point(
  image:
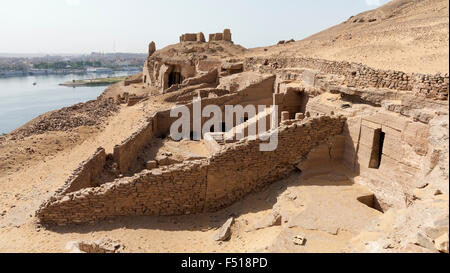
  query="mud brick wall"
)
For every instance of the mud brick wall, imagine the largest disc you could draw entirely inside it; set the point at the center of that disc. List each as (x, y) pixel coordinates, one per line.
(242, 168)
(197, 186)
(175, 190)
(192, 37)
(359, 75)
(188, 37)
(126, 153)
(85, 174)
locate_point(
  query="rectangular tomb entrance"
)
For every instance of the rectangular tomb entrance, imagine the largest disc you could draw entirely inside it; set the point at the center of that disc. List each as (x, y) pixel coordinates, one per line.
(377, 149)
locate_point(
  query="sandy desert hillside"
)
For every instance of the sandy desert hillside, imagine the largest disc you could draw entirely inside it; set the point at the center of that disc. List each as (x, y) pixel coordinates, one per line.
(404, 35)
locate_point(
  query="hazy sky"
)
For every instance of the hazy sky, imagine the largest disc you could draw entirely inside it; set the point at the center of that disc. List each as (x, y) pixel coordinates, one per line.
(83, 26)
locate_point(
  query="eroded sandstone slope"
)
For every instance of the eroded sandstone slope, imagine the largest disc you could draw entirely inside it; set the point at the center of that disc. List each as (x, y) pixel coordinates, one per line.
(405, 35)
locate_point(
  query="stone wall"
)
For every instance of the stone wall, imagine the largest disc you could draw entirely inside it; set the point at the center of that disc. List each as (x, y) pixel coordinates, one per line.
(197, 186)
(358, 75)
(223, 36)
(193, 37)
(126, 153)
(208, 65)
(175, 190)
(242, 168)
(86, 173)
(164, 120)
(258, 92)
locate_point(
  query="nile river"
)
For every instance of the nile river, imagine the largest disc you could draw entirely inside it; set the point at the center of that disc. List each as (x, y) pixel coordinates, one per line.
(21, 101)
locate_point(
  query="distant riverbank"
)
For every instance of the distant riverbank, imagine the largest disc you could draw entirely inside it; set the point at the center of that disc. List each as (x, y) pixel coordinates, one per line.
(94, 82)
(48, 72)
(24, 98)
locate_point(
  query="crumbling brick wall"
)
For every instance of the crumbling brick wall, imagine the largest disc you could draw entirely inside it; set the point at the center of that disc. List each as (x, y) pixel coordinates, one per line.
(193, 187)
(221, 36)
(359, 75)
(175, 190)
(192, 37)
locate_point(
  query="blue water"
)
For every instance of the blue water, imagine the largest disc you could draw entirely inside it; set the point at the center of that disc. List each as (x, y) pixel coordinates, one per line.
(21, 101)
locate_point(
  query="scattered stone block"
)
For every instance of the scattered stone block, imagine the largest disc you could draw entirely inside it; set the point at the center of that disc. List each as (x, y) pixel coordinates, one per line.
(299, 116)
(441, 243)
(151, 165)
(133, 100)
(99, 246)
(435, 232)
(273, 219)
(299, 240)
(284, 116)
(224, 233)
(424, 241)
(412, 248)
(164, 160)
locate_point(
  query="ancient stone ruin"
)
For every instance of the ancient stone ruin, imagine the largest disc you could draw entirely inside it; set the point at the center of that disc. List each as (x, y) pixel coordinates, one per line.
(193, 37)
(200, 37)
(224, 36)
(373, 124)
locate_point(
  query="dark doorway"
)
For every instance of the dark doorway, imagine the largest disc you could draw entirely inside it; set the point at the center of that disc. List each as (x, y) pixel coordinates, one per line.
(377, 149)
(175, 78)
(381, 144)
(304, 98)
(222, 128)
